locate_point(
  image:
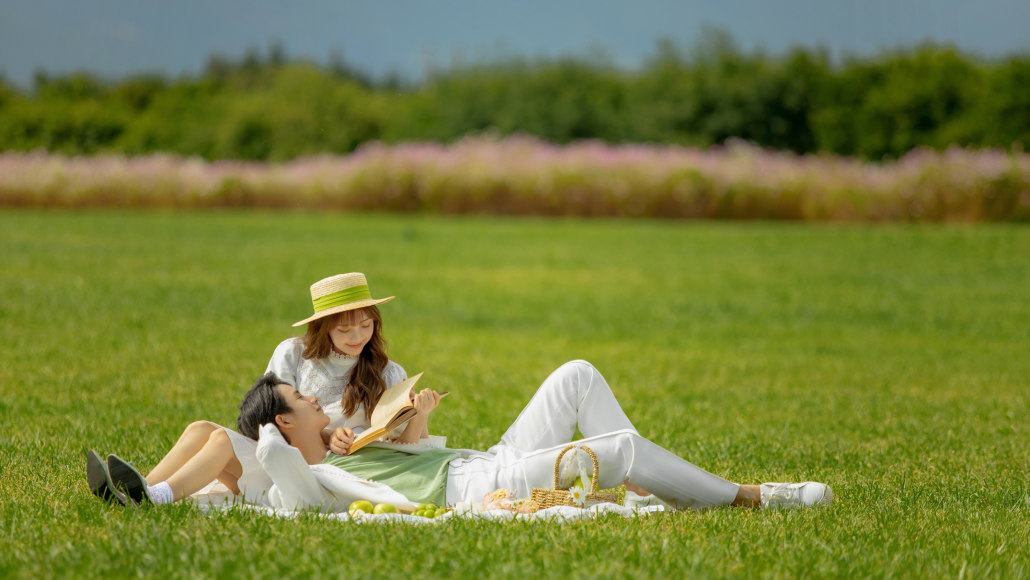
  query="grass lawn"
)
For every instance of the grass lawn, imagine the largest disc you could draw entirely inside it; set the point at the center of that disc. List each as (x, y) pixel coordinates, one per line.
(892, 362)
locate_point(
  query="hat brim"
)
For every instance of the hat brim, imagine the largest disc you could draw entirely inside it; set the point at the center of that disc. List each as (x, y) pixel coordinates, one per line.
(343, 308)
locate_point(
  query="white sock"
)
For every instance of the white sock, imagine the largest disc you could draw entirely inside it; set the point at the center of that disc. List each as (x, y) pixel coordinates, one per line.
(161, 493)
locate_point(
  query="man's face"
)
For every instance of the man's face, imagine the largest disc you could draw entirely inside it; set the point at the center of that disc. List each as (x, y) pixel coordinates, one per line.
(305, 412)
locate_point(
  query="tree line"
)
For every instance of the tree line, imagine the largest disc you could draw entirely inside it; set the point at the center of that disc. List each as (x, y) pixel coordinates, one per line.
(269, 107)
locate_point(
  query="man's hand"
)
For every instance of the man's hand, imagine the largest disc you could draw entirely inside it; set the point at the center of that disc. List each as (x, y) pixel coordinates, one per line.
(339, 442)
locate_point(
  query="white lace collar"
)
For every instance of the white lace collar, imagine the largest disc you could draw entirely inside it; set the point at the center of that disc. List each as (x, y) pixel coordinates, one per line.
(339, 365)
(339, 358)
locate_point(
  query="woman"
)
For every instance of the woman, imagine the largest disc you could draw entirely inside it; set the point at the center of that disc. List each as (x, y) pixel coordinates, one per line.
(574, 395)
(341, 360)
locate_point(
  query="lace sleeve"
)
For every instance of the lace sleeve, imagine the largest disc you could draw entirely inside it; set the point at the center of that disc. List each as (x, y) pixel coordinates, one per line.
(286, 359)
(393, 374)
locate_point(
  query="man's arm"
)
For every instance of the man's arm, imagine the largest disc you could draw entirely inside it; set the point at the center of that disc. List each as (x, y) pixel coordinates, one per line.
(295, 485)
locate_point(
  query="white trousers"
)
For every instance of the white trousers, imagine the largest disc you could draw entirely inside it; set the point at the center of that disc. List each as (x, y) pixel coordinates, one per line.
(577, 394)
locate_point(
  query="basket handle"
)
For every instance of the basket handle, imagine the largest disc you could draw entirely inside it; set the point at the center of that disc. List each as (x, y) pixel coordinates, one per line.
(593, 460)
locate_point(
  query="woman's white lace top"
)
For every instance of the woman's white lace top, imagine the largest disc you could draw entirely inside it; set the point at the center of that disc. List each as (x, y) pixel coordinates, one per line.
(326, 378)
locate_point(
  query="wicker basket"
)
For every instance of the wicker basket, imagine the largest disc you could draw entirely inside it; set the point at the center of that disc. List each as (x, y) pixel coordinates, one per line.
(546, 498)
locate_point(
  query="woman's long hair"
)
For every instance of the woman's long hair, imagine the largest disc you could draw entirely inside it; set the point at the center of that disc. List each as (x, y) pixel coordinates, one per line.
(366, 383)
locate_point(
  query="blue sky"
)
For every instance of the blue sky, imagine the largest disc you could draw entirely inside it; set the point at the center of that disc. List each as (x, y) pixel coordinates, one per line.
(115, 38)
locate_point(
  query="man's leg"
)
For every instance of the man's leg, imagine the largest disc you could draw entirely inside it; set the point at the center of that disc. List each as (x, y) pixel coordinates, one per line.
(625, 455)
(574, 394)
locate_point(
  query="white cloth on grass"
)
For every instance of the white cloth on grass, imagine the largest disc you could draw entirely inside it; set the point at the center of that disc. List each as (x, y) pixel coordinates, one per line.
(561, 514)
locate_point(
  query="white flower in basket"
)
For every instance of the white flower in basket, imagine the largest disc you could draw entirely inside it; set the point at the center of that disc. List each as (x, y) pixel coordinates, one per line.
(579, 497)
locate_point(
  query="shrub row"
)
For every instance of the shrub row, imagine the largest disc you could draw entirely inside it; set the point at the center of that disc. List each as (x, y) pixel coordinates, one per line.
(525, 176)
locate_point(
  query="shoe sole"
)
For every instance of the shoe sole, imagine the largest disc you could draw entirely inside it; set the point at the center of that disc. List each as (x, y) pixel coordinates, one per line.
(127, 480)
(99, 480)
(827, 498)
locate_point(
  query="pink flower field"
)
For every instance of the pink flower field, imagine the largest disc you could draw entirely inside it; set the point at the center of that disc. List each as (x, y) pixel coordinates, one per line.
(524, 176)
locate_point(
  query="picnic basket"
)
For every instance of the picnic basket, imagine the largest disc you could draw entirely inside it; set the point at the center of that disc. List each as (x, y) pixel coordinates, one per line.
(546, 498)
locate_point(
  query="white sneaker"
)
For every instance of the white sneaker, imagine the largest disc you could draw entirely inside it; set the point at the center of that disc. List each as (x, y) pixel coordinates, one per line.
(792, 495)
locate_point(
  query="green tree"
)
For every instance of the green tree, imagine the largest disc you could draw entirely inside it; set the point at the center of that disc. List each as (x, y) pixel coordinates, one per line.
(889, 106)
(265, 106)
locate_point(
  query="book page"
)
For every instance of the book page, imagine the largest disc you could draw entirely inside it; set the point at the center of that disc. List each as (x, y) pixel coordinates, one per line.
(393, 403)
(395, 399)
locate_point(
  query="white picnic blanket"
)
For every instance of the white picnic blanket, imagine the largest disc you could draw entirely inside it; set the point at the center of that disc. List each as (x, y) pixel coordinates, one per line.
(558, 513)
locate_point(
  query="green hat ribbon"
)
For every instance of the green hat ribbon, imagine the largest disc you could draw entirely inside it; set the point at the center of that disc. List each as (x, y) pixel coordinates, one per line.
(339, 297)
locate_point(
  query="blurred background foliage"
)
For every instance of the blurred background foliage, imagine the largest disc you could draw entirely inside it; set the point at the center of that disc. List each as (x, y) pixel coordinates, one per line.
(265, 106)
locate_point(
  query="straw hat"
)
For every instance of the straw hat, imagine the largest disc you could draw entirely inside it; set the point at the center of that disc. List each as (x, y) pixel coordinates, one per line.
(340, 293)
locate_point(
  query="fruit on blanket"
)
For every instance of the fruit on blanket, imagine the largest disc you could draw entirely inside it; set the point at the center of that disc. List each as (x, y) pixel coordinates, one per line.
(428, 510)
(384, 508)
(361, 505)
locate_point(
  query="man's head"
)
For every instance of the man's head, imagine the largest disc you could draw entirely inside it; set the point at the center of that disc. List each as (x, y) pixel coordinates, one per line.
(272, 401)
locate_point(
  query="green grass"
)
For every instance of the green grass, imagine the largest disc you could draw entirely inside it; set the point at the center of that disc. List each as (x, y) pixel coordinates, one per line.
(892, 362)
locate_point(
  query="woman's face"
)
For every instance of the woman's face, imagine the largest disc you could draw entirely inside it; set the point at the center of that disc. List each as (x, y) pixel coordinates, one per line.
(352, 332)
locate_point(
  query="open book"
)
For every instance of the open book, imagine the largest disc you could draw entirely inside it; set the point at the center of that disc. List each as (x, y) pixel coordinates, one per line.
(393, 409)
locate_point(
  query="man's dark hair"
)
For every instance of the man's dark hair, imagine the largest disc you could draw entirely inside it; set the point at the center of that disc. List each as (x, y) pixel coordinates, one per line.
(260, 405)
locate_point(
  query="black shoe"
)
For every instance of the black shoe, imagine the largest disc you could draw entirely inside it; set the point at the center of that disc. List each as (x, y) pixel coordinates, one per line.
(127, 480)
(100, 480)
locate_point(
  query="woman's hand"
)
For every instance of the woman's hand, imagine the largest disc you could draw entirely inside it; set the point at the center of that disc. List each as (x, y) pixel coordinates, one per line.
(426, 400)
(339, 442)
(418, 426)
